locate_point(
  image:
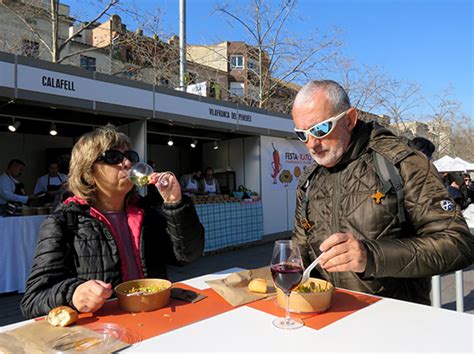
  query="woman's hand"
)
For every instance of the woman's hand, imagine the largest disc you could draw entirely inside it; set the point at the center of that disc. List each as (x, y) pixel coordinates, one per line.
(91, 295)
(168, 186)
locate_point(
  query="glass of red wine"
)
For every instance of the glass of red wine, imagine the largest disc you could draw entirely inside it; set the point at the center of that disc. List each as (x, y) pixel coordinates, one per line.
(287, 272)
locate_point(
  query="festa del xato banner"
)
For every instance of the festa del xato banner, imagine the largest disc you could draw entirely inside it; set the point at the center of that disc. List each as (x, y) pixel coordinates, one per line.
(283, 162)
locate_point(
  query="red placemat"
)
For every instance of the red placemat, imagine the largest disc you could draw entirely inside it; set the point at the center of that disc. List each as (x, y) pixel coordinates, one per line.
(343, 304)
(144, 325)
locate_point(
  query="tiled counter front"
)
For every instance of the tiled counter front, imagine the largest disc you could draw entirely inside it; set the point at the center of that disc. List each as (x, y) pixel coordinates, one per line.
(229, 224)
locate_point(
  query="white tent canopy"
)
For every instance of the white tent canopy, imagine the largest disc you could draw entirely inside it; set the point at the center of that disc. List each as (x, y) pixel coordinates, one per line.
(469, 165)
(449, 164)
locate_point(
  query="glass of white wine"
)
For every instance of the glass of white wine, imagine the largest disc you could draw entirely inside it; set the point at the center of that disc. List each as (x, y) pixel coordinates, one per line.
(141, 175)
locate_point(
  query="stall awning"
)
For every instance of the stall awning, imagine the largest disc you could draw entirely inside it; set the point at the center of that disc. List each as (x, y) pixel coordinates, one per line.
(37, 81)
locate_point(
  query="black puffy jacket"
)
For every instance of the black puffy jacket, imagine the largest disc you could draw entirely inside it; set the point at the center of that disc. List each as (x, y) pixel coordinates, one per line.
(75, 246)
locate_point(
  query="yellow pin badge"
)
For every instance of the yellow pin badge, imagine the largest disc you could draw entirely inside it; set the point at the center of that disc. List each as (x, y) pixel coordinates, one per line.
(378, 197)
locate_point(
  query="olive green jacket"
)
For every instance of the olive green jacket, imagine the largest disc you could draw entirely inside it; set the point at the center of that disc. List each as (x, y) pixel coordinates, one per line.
(401, 257)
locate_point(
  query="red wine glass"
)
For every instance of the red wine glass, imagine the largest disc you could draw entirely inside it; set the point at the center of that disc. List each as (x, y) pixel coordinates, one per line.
(287, 271)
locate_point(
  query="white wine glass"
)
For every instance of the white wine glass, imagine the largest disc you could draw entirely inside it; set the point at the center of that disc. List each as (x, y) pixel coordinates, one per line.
(141, 175)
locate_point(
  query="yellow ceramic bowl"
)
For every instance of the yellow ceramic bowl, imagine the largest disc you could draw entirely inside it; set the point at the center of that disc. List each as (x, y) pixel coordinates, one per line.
(144, 301)
(311, 301)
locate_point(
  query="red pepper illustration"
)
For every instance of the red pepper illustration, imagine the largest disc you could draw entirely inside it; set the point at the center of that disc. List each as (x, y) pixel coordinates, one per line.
(275, 164)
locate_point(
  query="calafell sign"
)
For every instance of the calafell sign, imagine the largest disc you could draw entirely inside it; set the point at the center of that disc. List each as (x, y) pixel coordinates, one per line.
(62, 84)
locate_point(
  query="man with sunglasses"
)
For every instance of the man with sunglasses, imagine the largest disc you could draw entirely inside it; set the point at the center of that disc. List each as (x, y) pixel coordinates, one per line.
(345, 213)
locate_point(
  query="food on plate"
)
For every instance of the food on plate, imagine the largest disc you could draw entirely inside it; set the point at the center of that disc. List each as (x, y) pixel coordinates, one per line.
(143, 289)
(311, 287)
(258, 285)
(62, 316)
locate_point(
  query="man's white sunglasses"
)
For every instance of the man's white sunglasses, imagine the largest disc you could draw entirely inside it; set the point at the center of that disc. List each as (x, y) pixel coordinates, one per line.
(319, 130)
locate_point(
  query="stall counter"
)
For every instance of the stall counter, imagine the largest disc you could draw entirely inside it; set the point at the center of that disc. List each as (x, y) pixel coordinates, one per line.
(230, 224)
(18, 237)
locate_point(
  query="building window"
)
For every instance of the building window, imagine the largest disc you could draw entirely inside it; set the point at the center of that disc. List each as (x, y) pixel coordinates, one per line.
(129, 55)
(237, 61)
(116, 54)
(88, 63)
(30, 48)
(237, 88)
(253, 66)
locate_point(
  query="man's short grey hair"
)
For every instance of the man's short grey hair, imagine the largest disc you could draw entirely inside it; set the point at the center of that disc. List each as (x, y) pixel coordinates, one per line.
(334, 92)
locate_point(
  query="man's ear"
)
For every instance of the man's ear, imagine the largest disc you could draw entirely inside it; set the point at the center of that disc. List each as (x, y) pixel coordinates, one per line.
(352, 118)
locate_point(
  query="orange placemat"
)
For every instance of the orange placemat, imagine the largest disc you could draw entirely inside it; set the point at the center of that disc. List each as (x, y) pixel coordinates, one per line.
(343, 303)
(144, 325)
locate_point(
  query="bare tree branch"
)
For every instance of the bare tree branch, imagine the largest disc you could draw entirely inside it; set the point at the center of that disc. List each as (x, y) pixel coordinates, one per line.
(31, 28)
(88, 24)
(90, 49)
(281, 58)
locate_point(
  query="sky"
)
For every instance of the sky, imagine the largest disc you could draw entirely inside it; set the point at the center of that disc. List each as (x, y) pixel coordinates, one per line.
(430, 42)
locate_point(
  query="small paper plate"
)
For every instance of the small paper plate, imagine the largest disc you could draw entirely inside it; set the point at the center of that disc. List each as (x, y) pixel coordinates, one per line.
(95, 338)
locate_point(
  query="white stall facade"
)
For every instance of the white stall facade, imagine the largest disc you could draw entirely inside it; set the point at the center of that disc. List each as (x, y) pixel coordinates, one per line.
(262, 152)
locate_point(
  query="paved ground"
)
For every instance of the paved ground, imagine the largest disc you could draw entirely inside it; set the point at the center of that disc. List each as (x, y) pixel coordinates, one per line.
(254, 256)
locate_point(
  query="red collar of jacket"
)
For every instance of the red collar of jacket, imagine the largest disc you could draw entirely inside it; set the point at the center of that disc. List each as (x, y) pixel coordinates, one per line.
(135, 217)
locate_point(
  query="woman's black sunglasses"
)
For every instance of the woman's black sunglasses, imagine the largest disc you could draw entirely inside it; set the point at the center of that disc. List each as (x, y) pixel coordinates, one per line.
(114, 157)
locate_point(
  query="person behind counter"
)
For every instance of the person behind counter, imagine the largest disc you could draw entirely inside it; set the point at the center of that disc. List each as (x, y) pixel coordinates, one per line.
(371, 240)
(190, 183)
(106, 233)
(12, 190)
(209, 185)
(50, 183)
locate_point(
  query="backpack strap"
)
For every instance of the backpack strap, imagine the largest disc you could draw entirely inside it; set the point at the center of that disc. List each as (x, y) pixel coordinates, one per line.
(304, 221)
(390, 178)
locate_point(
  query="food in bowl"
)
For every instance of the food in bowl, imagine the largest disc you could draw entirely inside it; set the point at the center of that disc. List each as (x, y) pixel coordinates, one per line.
(144, 290)
(311, 287)
(313, 296)
(142, 295)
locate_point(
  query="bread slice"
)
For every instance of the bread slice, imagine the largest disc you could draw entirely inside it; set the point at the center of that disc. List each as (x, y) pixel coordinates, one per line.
(62, 316)
(258, 285)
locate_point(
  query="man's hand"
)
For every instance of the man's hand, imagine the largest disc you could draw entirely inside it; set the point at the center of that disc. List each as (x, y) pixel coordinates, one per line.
(91, 295)
(343, 253)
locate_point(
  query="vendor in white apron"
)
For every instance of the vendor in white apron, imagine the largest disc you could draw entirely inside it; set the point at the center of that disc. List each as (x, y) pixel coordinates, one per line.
(50, 183)
(12, 190)
(190, 183)
(209, 183)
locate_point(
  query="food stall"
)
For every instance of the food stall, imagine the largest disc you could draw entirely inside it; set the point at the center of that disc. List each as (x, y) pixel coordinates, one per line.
(152, 115)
